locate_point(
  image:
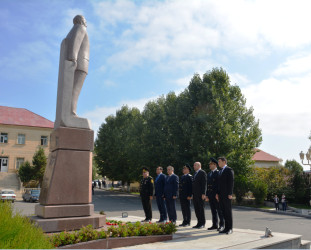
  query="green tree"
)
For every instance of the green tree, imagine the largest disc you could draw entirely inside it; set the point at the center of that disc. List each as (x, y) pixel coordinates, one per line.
(39, 164)
(260, 190)
(25, 172)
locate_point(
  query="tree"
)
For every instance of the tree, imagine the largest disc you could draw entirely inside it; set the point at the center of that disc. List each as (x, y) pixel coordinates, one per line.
(39, 164)
(25, 172)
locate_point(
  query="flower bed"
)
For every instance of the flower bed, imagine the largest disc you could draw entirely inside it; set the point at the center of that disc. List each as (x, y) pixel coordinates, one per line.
(118, 230)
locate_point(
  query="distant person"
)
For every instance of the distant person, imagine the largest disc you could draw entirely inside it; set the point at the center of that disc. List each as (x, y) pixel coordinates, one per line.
(199, 193)
(159, 185)
(104, 183)
(170, 193)
(93, 185)
(99, 184)
(276, 202)
(212, 187)
(185, 195)
(146, 194)
(283, 201)
(224, 193)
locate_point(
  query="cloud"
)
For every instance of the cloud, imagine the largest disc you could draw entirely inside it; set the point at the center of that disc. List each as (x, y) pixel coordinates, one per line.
(282, 106)
(178, 32)
(99, 114)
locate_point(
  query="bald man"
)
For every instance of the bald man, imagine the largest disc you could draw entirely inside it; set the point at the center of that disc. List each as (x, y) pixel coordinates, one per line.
(199, 186)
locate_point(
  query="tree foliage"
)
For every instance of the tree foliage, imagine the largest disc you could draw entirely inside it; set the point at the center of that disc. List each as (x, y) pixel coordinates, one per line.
(35, 171)
(208, 119)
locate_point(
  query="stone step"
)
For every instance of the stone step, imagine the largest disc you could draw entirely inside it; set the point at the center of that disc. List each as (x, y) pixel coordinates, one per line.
(11, 181)
(305, 244)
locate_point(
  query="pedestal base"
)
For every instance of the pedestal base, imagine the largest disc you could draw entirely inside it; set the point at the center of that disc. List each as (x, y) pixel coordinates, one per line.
(69, 224)
(64, 211)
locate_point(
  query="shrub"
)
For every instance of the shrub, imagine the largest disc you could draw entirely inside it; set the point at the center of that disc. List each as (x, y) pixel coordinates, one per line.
(260, 190)
(121, 229)
(17, 231)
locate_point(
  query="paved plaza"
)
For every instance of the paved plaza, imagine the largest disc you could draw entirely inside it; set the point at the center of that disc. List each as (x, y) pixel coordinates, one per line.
(114, 203)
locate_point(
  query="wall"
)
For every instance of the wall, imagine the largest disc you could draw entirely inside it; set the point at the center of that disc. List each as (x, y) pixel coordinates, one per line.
(12, 150)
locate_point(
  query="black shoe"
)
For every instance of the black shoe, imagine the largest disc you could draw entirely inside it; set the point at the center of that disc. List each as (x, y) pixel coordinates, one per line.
(223, 231)
(196, 226)
(186, 225)
(229, 231)
(181, 225)
(146, 220)
(221, 228)
(212, 228)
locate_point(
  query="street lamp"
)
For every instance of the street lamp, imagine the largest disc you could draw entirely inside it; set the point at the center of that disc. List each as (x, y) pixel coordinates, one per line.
(308, 158)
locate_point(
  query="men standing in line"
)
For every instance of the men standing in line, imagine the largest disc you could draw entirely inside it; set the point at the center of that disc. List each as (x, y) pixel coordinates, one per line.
(170, 193)
(159, 185)
(146, 194)
(224, 193)
(185, 194)
(212, 187)
(199, 191)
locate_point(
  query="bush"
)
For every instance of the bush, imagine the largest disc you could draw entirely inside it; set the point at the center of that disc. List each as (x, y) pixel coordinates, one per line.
(120, 229)
(260, 191)
(17, 231)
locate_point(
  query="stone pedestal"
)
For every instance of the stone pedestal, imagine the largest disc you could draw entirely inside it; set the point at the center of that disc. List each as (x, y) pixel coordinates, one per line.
(66, 191)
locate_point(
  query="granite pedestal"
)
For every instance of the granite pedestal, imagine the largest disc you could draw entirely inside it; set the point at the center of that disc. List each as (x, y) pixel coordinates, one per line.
(66, 191)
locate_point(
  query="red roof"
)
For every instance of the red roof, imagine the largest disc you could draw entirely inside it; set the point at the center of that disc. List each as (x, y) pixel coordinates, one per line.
(23, 117)
(263, 156)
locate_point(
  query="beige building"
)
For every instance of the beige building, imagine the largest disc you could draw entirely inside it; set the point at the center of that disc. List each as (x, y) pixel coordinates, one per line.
(22, 133)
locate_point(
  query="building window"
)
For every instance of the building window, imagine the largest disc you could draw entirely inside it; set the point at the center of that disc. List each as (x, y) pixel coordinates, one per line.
(21, 139)
(44, 140)
(3, 137)
(19, 162)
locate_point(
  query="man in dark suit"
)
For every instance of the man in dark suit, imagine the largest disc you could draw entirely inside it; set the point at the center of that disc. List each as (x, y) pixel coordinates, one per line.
(159, 185)
(224, 193)
(199, 192)
(170, 193)
(185, 194)
(146, 194)
(212, 187)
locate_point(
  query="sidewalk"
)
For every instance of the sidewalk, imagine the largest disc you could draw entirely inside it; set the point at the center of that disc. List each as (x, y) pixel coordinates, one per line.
(190, 238)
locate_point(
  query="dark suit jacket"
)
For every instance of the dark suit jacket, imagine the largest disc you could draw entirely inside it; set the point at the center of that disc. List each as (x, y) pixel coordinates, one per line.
(159, 185)
(225, 182)
(199, 183)
(185, 187)
(171, 186)
(212, 184)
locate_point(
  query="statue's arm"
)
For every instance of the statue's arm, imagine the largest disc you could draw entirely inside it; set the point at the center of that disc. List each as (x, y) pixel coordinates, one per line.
(74, 42)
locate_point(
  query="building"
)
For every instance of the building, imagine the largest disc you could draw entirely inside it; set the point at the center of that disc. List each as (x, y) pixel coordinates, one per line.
(22, 133)
(265, 160)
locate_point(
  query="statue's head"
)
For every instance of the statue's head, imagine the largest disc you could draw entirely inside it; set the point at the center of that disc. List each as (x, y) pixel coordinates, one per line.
(79, 19)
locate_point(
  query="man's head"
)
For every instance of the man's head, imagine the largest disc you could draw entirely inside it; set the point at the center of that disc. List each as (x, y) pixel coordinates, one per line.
(213, 163)
(222, 161)
(186, 169)
(159, 170)
(145, 172)
(79, 19)
(170, 170)
(197, 166)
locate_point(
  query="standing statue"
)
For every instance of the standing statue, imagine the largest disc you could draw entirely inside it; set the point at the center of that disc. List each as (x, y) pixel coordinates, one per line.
(73, 68)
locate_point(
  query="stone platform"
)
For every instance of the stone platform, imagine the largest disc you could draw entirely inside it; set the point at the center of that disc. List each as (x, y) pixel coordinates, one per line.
(190, 238)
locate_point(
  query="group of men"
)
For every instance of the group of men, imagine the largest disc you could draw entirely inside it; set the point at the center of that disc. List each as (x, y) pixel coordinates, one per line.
(216, 187)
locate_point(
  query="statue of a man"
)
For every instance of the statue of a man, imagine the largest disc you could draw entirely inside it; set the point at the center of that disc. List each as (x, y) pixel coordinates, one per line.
(73, 68)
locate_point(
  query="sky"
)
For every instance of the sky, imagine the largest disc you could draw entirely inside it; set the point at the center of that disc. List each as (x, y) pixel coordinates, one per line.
(140, 50)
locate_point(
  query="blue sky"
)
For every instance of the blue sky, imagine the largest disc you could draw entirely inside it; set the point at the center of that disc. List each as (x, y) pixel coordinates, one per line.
(140, 50)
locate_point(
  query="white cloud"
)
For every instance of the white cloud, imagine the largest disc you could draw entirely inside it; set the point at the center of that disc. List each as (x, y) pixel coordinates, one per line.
(282, 106)
(238, 79)
(99, 114)
(177, 32)
(298, 64)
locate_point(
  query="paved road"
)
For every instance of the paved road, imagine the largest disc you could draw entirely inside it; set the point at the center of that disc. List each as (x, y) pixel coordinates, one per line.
(114, 204)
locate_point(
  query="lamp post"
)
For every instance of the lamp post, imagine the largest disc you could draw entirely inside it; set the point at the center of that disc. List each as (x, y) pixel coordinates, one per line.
(308, 158)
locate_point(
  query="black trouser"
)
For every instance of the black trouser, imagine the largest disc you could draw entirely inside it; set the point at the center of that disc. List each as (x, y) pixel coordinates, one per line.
(171, 209)
(185, 209)
(147, 207)
(277, 206)
(216, 212)
(161, 207)
(226, 208)
(199, 210)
